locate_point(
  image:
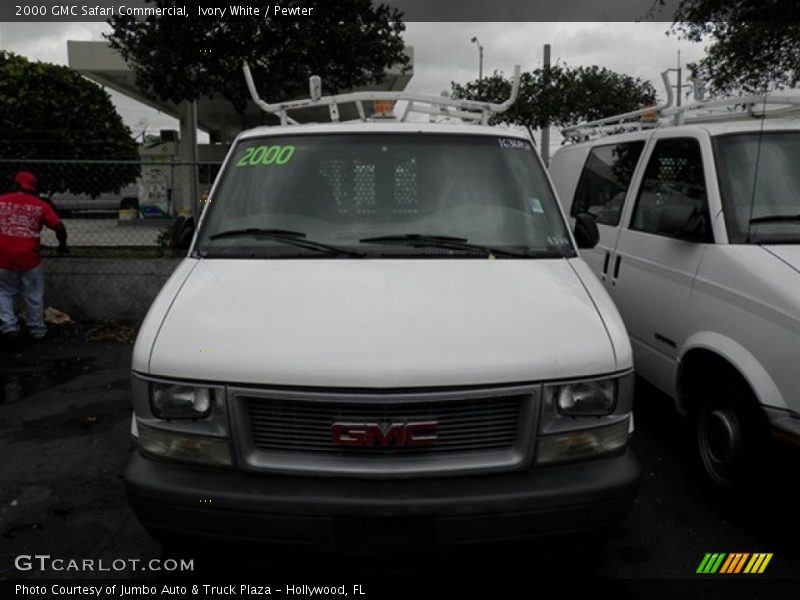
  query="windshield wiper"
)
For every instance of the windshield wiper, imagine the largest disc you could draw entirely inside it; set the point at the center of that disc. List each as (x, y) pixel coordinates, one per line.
(294, 238)
(257, 231)
(445, 241)
(776, 219)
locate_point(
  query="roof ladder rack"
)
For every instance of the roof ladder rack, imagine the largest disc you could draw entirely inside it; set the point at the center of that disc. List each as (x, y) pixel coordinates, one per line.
(737, 108)
(466, 110)
(623, 122)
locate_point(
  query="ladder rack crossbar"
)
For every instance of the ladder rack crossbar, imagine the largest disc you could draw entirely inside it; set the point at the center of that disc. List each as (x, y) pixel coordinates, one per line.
(739, 107)
(471, 110)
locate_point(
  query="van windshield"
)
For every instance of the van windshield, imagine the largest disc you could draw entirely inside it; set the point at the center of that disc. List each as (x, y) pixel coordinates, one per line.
(759, 176)
(419, 194)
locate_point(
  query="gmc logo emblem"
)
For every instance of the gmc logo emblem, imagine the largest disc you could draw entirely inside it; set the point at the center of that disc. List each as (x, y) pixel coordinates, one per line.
(416, 433)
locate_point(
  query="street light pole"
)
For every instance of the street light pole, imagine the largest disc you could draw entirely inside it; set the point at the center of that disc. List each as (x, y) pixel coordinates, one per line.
(475, 40)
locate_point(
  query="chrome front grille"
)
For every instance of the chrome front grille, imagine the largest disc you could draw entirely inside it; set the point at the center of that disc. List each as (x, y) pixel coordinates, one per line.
(477, 430)
(463, 425)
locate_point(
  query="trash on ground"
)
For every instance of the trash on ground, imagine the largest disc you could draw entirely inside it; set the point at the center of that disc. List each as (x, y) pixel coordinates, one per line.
(56, 317)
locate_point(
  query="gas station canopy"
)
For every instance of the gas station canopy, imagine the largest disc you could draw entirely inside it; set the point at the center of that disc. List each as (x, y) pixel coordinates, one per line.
(105, 66)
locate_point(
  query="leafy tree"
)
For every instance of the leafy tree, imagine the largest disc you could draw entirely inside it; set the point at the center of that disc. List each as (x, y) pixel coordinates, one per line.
(51, 112)
(562, 96)
(754, 45)
(185, 59)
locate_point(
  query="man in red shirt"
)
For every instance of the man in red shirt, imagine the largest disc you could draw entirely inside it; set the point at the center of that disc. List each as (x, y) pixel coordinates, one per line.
(22, 215)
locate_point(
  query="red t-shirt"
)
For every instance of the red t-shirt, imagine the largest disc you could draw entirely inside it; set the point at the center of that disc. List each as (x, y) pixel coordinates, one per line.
(21, 218)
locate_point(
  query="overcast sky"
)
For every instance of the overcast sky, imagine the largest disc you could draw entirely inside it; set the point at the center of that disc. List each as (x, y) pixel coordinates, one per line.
(443, 52)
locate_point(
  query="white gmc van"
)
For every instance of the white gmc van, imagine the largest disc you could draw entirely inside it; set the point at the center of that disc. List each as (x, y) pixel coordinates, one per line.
(699, 247)
(382, 339)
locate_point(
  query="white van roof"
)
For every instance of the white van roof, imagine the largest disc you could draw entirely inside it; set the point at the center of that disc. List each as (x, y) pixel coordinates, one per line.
(387, 126)
(752, 125)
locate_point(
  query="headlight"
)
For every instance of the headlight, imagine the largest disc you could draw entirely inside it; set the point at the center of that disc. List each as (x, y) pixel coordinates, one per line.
(181, 447)
(585, 398)
(573, 445)
(585, 418)
(170, 401)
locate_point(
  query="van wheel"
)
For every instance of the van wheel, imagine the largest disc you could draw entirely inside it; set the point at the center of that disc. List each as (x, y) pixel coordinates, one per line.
(730, 431)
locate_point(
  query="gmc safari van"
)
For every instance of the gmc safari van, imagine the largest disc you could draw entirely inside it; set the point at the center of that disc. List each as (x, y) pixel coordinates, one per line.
(699, 221)
(382, 339)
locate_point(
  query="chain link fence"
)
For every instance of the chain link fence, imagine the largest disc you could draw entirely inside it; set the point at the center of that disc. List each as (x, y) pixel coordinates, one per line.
(116, 208)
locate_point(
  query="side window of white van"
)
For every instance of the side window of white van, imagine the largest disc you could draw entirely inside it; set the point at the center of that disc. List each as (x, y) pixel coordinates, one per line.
(605, 180)
(672, 198)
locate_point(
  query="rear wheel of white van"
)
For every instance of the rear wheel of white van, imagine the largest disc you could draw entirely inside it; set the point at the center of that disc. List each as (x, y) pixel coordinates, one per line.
(730, 431)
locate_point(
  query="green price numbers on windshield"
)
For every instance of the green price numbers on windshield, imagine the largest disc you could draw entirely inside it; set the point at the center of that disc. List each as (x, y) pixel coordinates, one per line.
(266, 155)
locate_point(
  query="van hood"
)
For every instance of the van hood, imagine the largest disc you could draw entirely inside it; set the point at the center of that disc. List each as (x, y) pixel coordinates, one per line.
(788, 254)
(382, 323)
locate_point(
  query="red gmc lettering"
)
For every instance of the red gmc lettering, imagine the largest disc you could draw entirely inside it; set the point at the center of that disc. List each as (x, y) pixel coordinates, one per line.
(418, 433)
(422, 433)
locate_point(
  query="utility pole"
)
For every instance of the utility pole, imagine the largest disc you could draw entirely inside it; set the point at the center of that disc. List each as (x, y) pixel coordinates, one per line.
(679, 85)
(545, 138)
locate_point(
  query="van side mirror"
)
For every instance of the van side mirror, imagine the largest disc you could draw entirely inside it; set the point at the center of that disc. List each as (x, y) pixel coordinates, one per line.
(182, 233)
(586, 233)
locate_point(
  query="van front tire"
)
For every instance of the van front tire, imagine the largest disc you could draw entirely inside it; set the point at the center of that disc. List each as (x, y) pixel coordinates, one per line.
(730, 432)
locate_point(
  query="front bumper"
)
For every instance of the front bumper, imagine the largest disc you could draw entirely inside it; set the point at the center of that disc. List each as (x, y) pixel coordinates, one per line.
(564, 504)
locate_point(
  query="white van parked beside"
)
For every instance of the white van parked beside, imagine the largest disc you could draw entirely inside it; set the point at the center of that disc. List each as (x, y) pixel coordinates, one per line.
(383, 339)
(699, 221)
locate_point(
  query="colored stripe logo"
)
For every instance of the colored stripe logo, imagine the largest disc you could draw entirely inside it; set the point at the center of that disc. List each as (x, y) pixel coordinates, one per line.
(734, 563)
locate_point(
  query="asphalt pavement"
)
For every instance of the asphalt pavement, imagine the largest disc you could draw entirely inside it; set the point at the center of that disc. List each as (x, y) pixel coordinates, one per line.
(64, 443)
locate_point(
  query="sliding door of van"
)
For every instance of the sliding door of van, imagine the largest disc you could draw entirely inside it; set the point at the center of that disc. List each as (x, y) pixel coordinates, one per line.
(659, 250)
